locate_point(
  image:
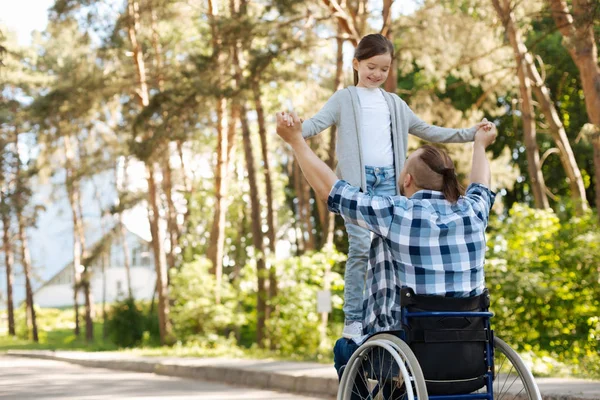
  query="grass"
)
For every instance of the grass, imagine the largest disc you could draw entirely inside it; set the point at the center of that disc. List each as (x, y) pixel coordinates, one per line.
(59, 339)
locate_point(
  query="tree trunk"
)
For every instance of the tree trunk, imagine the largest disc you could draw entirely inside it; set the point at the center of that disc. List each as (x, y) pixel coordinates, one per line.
(298, 219)
(557, 130)
(73, 201)
(262, 131)
(89, 305)
(167, 183)
(534, 166)
(216, 246)
(8, 262)
(257, 234)
(345, 19)
(104, 316)
(391, 83)
(157, 245)
(25, 257)
(238, 9)
(328, 218)
(559, 135)
(122, 230)
(159, 260)
(217, 233)
(26, 261)
(172, 227)
(87, 273)
(307, 214)
(578, 33)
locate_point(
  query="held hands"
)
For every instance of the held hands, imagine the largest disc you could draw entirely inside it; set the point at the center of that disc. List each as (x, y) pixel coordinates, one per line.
(486, 133)
(289, 127)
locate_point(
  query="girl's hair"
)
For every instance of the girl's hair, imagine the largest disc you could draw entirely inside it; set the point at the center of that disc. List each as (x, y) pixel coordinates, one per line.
(439, 173)
(370, 46)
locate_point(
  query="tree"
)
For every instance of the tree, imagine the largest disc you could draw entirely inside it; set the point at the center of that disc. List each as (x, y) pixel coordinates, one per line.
(143, 96)
(225, 140)
(5, 211)
(529, 124)
(21, 196)
(67, 116)
(577, 29)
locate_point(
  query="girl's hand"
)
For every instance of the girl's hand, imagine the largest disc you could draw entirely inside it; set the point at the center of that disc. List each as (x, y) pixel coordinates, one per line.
(289, 127)
(486, 134)
(287, 118)
(487, 125)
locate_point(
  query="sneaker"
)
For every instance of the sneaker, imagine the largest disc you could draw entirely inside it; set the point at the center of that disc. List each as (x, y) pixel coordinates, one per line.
(352, 329)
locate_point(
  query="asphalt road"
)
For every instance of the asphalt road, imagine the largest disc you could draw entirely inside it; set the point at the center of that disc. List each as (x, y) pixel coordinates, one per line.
(28, 379)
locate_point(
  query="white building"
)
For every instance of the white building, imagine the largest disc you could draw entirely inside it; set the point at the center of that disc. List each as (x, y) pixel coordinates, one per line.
(58, 290)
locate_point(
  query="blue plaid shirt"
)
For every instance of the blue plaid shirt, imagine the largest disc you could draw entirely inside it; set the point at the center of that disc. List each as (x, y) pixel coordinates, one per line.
(423, 242)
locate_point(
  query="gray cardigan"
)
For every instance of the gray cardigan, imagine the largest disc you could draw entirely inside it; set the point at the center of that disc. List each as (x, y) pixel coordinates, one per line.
(343, 110)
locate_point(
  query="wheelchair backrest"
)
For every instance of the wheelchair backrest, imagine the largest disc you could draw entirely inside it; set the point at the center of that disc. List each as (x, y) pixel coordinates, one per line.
(450, 337)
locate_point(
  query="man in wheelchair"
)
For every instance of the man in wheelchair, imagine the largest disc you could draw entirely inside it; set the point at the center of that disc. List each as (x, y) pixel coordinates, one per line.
(427, 253)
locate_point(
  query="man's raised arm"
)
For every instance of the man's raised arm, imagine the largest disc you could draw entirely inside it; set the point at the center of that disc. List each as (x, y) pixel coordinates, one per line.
(480, 170)
(320, 177)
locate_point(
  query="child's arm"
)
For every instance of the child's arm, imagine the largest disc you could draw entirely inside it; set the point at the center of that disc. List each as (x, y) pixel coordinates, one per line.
(326, 117)
(433, 133)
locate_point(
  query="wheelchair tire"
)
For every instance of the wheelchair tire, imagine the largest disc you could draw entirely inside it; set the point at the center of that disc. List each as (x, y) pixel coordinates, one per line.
(509, 375)
(386, 348)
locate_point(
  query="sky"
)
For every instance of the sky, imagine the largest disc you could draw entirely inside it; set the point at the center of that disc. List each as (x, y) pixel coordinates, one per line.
(24, 16)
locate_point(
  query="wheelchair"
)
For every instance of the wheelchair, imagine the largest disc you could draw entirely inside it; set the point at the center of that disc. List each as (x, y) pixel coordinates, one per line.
(445, 350)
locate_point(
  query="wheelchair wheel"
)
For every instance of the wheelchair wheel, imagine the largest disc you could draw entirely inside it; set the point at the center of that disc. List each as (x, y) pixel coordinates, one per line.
(513, 379)
(383, 368)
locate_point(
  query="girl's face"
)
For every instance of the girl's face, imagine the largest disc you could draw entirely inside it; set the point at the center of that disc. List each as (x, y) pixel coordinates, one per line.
(373, 71)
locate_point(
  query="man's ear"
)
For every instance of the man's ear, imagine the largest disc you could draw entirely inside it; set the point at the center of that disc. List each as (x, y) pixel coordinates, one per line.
(408, 179)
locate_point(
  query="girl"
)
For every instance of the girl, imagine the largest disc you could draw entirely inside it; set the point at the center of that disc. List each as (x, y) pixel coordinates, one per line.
(373, 127)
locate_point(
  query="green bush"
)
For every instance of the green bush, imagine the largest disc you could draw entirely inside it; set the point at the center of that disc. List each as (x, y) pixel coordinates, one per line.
(294, 323)
(542, 273)
(195, 311)
(126, 323)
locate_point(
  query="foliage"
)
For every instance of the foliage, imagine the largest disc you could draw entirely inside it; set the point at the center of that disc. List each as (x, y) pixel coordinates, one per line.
(294, 323)
(543, 275)
(194, 312)
(126, 323)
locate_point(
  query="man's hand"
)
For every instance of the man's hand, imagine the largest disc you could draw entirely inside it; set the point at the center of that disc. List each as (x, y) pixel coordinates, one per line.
(318, 174)
(289, 127)
(486, 134)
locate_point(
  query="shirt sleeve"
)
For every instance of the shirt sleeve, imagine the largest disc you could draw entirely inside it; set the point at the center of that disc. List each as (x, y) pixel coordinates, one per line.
(326, 117)
(481, 199)
(374, 213)
(434, 133)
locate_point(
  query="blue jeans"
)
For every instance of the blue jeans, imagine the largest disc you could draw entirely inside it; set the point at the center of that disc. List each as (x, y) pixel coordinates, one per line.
(342, 351)
(381, 181)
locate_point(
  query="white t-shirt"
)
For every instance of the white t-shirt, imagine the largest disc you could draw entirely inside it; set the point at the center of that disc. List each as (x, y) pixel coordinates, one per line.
(375, 130)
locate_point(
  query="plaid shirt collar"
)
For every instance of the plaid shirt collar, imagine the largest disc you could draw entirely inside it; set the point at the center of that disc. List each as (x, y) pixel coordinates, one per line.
(428, 194)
